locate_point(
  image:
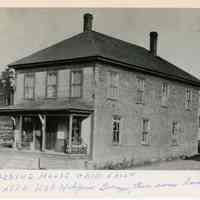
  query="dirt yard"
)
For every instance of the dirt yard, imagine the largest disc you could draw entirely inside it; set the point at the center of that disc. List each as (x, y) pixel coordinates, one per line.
(192, 163)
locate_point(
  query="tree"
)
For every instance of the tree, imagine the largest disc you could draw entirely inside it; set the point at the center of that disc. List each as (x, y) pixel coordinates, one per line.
(7, 84)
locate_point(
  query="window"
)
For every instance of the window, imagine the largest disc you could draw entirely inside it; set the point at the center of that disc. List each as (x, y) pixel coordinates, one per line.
(116, 130)
(140, 90)
(113, 87)
(51, 84)
(76, 83)
(29, 81)
(165, 94)
(145, 131)
(175, 132)
(76, 131)
(199, 121)
(188, 99)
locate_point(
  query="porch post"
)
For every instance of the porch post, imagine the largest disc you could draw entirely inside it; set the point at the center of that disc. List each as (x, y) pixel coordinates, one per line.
(19, 142)
(44, 133)
(14, 131)
(70, 133)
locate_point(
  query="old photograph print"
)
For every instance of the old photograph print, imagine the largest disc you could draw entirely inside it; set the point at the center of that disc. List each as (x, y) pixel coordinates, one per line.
(99, 88)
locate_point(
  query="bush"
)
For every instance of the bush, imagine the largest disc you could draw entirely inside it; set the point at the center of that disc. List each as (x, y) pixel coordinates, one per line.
(124, 164)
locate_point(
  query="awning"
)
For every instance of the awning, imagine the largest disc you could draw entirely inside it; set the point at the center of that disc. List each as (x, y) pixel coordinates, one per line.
(48, 106)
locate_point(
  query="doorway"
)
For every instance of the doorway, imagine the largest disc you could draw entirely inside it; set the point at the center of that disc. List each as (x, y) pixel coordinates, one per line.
(31, 133)
(56, 133)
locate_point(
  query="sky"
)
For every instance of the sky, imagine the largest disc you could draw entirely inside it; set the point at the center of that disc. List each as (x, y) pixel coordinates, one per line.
(24, 31)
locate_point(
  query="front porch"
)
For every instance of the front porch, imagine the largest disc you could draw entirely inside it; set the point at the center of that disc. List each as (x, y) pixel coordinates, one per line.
(52, 133)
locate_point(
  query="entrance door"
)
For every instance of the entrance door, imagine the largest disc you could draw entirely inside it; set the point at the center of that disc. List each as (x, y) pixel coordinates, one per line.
(37, 134)
(51, 131)
(31, 133)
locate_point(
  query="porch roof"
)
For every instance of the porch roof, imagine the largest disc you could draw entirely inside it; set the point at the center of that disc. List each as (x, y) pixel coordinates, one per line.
(47, 106)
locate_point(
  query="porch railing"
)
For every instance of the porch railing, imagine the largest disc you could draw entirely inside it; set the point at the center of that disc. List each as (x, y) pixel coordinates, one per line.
(77, 149)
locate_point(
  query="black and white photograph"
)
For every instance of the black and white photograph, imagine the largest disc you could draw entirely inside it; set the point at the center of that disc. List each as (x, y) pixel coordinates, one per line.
(100, 88)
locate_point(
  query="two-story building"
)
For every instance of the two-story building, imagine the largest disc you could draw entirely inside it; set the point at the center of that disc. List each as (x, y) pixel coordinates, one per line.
(105, 99)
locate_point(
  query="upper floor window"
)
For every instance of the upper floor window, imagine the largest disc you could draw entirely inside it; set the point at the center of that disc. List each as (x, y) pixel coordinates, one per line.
(29, 85)
(165, 94)
(51, 84)
(76, 83)
(145, 131)
(113, 85)
(116, 129)
(140, 90)
(188, 99)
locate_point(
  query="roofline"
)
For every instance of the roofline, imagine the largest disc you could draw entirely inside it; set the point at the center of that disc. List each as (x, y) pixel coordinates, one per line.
(54, 62)
(106, 60)
(152, 72)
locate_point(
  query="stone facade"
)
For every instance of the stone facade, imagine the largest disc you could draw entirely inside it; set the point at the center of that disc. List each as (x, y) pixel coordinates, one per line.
(161, 118)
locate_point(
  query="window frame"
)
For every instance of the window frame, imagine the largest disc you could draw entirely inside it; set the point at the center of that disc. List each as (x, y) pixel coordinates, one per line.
(146, 132)
(175, 131)
(56, 84)
(71, 85)
(140, 90)
(32, 74)
(112, 87)
(199, 121)
(165, 94)
(116, 119)
(188, 106)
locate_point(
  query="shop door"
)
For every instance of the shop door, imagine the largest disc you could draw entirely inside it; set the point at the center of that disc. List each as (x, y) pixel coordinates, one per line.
(51, 131)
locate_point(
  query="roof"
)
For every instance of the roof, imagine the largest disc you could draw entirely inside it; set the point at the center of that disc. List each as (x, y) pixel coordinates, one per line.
(94, 44)
(48, 105)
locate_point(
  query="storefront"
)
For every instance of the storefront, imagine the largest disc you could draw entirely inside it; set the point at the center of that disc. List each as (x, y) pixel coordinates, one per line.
(61, 132)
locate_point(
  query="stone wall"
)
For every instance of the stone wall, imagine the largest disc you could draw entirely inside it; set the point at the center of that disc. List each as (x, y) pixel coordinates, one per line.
(161, 118)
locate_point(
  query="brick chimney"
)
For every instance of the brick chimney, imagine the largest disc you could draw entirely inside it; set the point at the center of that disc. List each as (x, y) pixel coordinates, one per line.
(153, 43)
(87, 23)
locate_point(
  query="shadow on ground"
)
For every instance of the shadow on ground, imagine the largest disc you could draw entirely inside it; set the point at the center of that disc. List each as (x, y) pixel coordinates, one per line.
(195, 157)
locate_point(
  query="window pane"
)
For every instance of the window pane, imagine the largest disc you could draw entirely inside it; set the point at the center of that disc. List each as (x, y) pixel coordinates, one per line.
(145, 130)
(76, 91)
(29, 81)
(51, 91)
(199, 121)
(29, 86)
(140, 96)
(113, 92)
(76, 77)
(144, 137)
(188, 98)
(113, 85)
(165, 89)
(29, 93)
(140, 84)
(145, 125)
(51, 84)
(140, 90)
(51, 80)
(175, 126)
(76, 131)
(76, 83)
(116, 129)
(114, 79)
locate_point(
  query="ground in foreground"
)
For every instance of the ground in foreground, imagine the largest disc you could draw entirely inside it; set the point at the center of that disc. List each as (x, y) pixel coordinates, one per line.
(192, 163)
